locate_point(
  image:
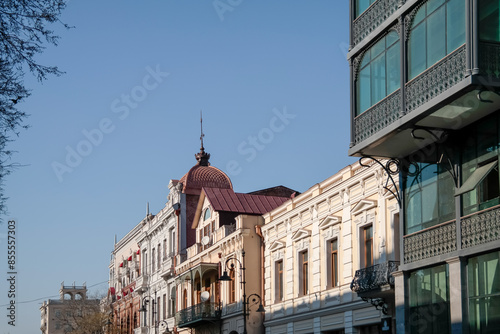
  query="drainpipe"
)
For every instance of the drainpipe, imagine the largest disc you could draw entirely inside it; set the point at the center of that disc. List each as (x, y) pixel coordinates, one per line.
(258, 230)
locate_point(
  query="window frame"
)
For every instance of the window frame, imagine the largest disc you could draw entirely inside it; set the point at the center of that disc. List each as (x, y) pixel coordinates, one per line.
(372, 63)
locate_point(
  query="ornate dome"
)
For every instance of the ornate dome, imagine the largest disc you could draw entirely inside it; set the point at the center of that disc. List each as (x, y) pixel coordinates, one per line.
(203, 175)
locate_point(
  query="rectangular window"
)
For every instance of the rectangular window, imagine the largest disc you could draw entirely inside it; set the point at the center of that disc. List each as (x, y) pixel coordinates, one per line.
(483, 274)
(159, 255)
(158, 301)
(334, 263)
(164, 249)
(232, 287)
(153, 259)
(480, 186)
(144, 263)
(429, 196)
(304, 277)
(279, 281)
(367, 246)
(164, 306)
(429, 303)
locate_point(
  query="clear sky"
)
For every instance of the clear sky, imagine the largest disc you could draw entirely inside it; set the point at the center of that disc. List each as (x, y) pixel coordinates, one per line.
(271, 77)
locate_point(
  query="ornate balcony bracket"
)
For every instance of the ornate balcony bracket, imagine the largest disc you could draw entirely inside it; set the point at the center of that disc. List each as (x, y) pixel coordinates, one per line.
(379, 304)
(391, 168)
(444, 155)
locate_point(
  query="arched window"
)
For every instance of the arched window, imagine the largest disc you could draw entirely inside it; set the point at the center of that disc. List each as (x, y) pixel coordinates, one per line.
(379, 72)
(438, 29)
(207, 214)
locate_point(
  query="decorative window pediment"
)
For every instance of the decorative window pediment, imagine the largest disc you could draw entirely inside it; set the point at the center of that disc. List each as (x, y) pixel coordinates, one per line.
(276, 245)
(363, 205)
(300, 234)
(329, 221)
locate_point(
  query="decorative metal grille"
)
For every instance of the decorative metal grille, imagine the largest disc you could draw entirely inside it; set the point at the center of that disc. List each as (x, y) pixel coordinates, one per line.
(374, 277)
(377, 117)
(489, 59)
(436, 79)
(373, 17)
(481, 228)
(439, 240)
(198, 312)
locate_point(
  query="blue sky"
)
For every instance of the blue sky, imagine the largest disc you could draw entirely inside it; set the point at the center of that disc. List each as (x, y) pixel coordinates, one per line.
(106, 137)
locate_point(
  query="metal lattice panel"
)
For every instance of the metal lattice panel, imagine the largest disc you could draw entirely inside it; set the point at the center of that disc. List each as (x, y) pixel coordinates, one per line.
(436, 79)
(489, 59)
(371, 278)
(377, 117)
(371, 18)
(481, 228)
(431, 242)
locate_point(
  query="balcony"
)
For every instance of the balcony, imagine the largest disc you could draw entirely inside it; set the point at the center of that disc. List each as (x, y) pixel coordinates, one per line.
(198, 314)
(167, 269)
(372, 18)
(456, 91)
(141, 283)
(375, 281)
(476, 229)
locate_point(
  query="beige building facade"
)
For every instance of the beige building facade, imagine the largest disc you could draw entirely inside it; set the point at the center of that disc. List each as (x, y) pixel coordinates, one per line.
(326, 246)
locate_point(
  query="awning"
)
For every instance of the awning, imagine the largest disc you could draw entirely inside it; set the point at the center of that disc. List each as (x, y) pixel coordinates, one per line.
(477, 176)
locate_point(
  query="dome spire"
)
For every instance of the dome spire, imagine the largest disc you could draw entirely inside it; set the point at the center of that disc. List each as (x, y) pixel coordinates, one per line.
(202, 157)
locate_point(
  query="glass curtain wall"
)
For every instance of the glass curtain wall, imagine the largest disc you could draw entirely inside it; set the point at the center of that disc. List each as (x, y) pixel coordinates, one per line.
(438, 29)
(483, 276)
(379, 72)
(429, 301)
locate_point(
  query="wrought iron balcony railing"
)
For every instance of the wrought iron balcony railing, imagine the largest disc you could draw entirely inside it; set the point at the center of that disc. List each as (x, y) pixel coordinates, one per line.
(197, 314)
(374, 277)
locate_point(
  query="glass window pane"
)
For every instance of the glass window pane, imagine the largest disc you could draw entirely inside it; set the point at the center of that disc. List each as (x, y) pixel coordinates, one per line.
(413, 212)
(416, 49)
(489, 22)
(436, 37)
(429, 300)
(484, 293)
(378, 79)
(419, 16)
(393, 69)
(361, 6)
(378, 48)
(429, 204)
(432, 5)
(455, 24)
(364, 90)
(391, 38)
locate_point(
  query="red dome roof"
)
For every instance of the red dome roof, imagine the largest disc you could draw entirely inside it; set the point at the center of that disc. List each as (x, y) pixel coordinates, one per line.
(205, 176)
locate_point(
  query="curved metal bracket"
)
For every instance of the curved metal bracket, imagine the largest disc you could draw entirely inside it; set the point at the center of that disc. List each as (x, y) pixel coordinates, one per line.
(426, 130)
(449, 167)
(480, 98)
(391, 167)
(379, 303)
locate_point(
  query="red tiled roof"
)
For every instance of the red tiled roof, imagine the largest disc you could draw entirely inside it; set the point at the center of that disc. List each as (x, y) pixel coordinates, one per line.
(228, 200)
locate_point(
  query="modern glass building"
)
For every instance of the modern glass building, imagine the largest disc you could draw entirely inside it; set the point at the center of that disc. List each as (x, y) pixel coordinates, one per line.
(425, 94)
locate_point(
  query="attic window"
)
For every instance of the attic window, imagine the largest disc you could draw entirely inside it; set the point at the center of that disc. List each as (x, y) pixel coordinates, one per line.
(206, 215)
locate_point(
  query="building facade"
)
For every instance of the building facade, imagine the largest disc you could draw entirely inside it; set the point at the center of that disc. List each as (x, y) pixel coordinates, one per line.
(425, 77)
(164, 273)
(326, 246)
(61, 315)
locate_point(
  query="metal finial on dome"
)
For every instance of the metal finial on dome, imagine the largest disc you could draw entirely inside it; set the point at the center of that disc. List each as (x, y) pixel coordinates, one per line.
(202, 134)
(202, 157)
